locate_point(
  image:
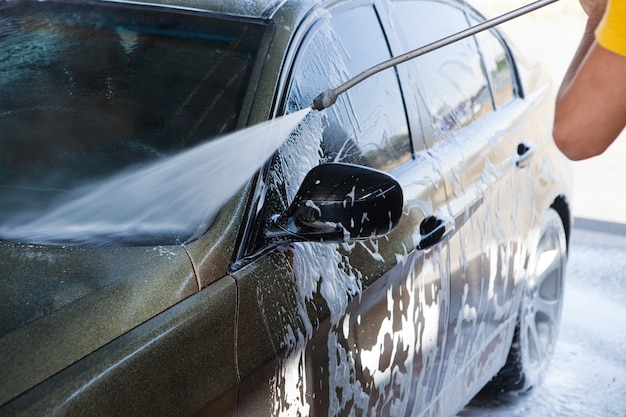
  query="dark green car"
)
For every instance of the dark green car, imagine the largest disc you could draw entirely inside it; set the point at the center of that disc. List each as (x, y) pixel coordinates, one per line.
(390, 255)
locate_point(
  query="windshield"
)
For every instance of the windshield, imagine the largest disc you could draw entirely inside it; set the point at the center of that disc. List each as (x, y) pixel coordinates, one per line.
(88, 90)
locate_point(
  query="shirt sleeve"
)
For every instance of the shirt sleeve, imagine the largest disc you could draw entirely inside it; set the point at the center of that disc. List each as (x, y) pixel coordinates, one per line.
(611, 32)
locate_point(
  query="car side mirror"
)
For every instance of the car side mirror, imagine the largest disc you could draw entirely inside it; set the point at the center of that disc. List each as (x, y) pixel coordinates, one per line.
(339, 202)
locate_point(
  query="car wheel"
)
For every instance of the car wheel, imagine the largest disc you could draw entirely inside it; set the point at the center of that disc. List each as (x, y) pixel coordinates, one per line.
(540, 314)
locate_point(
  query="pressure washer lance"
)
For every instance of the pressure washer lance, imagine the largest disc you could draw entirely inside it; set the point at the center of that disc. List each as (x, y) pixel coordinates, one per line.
(328, 97)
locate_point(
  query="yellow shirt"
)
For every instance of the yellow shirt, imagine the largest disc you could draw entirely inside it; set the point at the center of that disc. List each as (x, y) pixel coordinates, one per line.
(611, 33)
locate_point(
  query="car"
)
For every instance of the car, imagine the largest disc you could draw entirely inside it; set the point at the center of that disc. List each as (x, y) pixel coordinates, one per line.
(182, 234)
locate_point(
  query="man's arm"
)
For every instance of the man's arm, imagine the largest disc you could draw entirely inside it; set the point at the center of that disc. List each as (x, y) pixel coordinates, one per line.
(591, 103)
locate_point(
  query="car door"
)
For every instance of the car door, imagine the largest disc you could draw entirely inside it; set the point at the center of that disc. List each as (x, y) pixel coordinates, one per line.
(478, 154)
(338, 329)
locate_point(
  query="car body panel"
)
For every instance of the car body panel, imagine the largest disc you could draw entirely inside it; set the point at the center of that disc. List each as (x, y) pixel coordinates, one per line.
(77, 291)
(212, 253)
(157, 357)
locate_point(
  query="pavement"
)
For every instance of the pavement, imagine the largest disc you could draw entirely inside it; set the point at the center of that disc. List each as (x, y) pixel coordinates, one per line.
(551, 35)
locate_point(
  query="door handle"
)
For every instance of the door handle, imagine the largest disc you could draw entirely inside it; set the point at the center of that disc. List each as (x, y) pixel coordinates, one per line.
(524, 153)
(434, 230)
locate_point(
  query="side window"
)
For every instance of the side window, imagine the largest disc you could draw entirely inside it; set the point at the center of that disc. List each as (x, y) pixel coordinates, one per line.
(499, 67)
(449, 81)
(367, 125)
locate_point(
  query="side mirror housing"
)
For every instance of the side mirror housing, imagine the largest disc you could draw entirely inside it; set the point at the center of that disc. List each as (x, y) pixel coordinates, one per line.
(339, 202)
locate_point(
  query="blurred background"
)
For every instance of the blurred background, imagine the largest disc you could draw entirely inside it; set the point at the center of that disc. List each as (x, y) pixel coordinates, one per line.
(551, 35)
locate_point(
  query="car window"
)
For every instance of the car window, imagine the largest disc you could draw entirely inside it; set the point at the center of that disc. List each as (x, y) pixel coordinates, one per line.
(498, 64)
(88, 90)
(367, 125)
(451, 81)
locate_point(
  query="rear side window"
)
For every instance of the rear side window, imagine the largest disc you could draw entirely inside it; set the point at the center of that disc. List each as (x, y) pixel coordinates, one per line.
(450, 80)
(498, 65)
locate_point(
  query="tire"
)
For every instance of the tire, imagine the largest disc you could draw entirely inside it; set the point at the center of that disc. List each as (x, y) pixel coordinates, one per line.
(540, 313)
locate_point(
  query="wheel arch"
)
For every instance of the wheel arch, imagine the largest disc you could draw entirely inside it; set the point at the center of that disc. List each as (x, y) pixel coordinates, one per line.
(562, 207)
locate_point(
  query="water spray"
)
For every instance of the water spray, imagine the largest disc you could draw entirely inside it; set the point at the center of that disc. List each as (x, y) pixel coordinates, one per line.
(328, 97)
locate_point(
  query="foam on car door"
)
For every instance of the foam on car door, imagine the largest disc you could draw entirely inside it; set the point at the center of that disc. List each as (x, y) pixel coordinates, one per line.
(331, 328)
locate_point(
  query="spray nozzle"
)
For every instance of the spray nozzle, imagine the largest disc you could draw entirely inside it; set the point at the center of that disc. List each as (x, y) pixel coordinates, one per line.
(325, 99)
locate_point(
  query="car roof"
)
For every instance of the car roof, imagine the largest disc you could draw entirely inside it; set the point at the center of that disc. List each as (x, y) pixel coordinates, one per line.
(263, 9)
